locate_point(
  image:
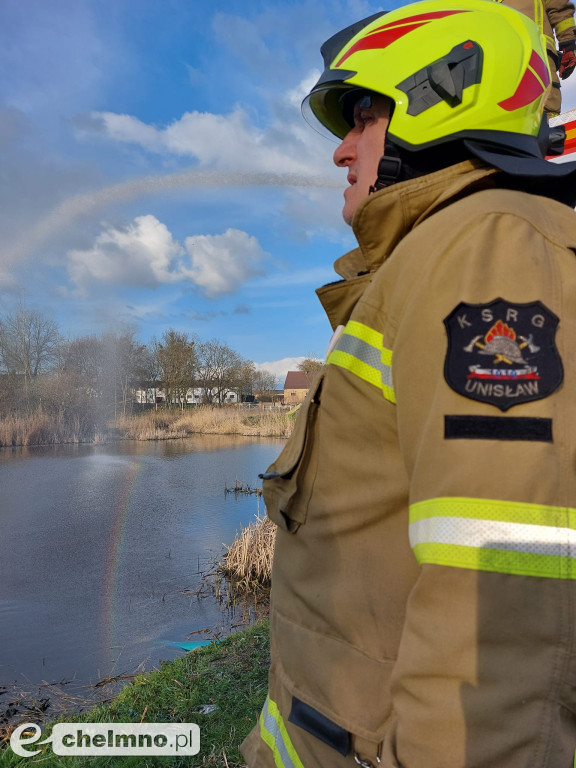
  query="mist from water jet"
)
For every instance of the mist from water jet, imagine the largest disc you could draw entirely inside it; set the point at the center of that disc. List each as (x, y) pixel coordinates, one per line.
(84, 203)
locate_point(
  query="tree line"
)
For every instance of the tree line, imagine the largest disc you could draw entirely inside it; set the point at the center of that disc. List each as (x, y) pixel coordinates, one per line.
(92, 379)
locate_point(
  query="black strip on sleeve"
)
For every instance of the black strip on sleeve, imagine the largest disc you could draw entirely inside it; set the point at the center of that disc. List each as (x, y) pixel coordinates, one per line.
(498, 428)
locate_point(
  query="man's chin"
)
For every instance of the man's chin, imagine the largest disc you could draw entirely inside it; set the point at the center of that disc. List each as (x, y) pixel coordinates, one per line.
(348, 213)
(351, 201)
(347, 217)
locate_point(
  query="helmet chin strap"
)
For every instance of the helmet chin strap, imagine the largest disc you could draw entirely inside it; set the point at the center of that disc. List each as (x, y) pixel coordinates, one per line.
(389, 170)
(397, 165)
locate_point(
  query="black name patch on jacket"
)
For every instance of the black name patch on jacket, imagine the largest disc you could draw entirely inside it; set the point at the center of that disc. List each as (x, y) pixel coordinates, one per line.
(502, 353)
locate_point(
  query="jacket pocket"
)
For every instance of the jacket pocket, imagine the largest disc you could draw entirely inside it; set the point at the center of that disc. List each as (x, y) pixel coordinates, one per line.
(288, 482)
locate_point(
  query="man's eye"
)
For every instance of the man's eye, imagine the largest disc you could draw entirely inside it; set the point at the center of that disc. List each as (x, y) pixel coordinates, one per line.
(364, 118)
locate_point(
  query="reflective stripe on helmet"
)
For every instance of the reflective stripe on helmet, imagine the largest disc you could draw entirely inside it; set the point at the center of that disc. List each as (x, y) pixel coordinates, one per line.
(497, 536)
(275, 735)
(539, 15)
(360, 350)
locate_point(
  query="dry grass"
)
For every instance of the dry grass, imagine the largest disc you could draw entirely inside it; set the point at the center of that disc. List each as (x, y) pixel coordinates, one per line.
(40, 428)
(248, 560)
(206, 420)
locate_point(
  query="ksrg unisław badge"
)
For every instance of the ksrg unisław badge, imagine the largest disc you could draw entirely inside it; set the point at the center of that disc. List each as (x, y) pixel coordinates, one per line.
(503, 353)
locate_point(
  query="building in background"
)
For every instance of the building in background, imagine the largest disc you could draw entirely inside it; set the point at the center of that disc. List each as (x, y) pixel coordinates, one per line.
(296, 386)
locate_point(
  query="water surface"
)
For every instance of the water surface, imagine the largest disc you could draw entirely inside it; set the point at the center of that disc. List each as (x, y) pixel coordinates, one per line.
(99, 545)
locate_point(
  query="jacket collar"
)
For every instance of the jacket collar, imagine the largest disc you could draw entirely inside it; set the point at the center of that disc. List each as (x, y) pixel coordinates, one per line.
(383, 219)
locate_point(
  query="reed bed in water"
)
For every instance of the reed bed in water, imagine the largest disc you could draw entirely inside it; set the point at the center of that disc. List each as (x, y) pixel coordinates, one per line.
(207, 420)
(40, 428)
(248, 560)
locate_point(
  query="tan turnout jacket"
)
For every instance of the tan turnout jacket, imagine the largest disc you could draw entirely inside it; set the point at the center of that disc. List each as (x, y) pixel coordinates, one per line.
(424, 603)
(555, 17)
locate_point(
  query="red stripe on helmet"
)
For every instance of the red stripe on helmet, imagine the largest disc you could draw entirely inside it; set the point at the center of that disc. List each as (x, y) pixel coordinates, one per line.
(540, 68)
(420, 17)
(529, 90)
(383, 36)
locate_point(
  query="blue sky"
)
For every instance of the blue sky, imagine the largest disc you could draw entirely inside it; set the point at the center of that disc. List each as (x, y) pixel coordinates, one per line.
(134, 137)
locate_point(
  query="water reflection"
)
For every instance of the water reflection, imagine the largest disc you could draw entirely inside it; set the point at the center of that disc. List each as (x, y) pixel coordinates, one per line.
(99, 543)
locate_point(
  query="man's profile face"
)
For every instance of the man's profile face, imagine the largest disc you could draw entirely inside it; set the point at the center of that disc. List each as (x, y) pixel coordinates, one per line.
(362, 148)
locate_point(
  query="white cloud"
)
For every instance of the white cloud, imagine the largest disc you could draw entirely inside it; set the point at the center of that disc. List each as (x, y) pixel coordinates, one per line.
(125, 128)
(144, 254)
(280, 367)
(296, 95)
(220, 263)
(232, 142)
(228, 142)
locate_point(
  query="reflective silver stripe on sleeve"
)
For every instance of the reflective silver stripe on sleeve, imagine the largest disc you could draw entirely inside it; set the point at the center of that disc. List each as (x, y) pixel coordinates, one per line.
(367, 353)
(276, 737)
(495, 534)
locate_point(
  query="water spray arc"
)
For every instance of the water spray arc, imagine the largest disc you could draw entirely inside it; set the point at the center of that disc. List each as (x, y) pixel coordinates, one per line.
(84, 203)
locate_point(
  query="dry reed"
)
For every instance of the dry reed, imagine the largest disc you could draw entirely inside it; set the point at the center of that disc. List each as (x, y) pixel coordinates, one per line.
(207, 420)
(248, 560)
(40, 428)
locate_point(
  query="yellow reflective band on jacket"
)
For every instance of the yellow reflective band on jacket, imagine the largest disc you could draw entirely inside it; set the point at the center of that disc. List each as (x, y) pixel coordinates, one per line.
(497, 536)
(360, 350)
(274, 734)
(562, 26)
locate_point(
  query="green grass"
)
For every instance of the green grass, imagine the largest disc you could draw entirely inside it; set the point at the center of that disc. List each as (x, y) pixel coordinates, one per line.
(231, 675)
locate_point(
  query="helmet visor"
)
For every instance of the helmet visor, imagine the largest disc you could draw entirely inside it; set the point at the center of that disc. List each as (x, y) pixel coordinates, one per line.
(330, 110)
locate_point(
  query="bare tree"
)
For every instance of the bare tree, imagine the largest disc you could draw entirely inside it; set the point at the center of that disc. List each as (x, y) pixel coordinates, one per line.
(264, 384)
(124, 368)
(83, 358)
(28, 343)
(221, 370)
(105, 369)
(245, 376)
(310, 365)
(176, 358)
(151, 372)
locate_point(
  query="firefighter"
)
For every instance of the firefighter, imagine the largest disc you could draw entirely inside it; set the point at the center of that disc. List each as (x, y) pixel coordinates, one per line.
(424, 583)
(556, 17)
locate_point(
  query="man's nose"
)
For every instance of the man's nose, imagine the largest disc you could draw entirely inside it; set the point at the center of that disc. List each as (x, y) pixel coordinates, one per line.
(345, 152)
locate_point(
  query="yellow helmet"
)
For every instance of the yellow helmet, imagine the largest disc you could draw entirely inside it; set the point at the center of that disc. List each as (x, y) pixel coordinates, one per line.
(455, 70)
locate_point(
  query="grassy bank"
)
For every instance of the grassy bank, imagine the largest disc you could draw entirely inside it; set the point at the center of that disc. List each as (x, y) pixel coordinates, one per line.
(220, 687)
(207, 420)
(40, 428)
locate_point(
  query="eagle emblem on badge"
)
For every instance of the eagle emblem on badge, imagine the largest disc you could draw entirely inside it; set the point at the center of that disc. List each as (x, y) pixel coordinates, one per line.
(503, 353)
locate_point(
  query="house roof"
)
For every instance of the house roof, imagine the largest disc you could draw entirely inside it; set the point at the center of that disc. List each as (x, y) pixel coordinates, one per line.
(298, 379)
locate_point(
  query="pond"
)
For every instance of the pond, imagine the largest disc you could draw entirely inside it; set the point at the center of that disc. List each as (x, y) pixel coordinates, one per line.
(103, 548)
